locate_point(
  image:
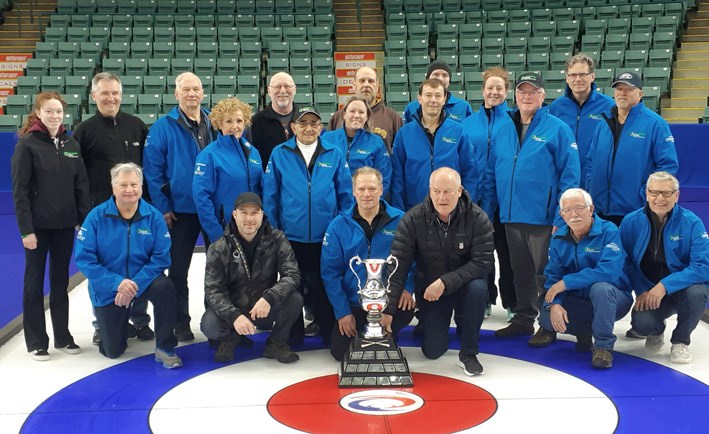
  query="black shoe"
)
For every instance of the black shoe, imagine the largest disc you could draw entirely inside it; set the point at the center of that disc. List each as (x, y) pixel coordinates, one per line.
(312, 329)
(632, 334)
(71, 348)
(40, 355)
(131, 331)
(584, 344)
(183, 333)
(470, 364)
(144, 333)
(280, 352)
(602, 359)
(96, 339)
(542, 338)
(245, 342)
(516, 328)
(225, 350)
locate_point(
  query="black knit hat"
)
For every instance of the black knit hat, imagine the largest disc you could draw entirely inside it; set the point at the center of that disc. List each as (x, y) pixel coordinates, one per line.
(437, 64)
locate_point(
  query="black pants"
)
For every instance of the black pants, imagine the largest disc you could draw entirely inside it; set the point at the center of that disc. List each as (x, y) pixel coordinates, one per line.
(340, 343)
(184, 233)
(312, 288)
(113, 320)
(284, 315)
(529, 252)
(470, 301)
(58, 243)
(506, 281)
(615, 219)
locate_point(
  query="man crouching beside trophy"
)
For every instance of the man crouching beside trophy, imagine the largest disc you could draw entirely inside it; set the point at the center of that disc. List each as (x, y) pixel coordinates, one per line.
(450, 238)
(364, 234)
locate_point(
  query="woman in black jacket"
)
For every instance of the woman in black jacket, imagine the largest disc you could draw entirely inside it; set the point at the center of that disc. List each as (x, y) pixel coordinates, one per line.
(51, 194)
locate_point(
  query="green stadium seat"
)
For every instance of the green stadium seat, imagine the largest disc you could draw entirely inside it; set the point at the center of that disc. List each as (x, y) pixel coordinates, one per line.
(395, 65)
(564, 44)
(77, 84)
(595, 27)
(554, 78)
(10, 123)
(150, 103)
(515, 61)
(226, 7)
(592, 42)
(475, 97)
(516, 45)
(569, 28)
(324, 20)
(186, 50)
(227, 66)
(73, 103)
(37, 67)
(557, 60)
(398, 100)
(159, 66)
(519, 29)
(55, 34)
(100, 35)
(164, 20)
(141, 49)
(303, 20)
(323, 65)
(320, 33)
(229, 49)
(250, 65)
(490, 60)
(470, 31)
(447, 47)
(148, 118)
(164, 34)
(54, 83)
(18, 104)
(664, 40)
(538, 62)
(457, 17)
(303, 98)
(143, 20)
(185, 34)
(81, 20)
(457, 82)
(300, 65)
(279, 49)
(180, 65)
(163, 49)
(83, 66)
(208, 50)
(542, 14)
(206, 34)
(225, 84)
(118, 50)
(45, 50)
(636, 58)
(136, 66)
(669, 23)
(639, 41)
(451, 59)
(497, 16)
(114, 65)
(657, 76)
(322, 48)
(469, 61)
(495, 29)
(642, 25)
(444, 31)
(91, 50)
(251, 49)
(102, 20)
(271, 35)
(618, 25)
(612, 59)
(544, 28)
(325, 102)
(653, 9)
(651, 97)
(660, 57)
(60, 20)
(552, 94)
(276, 64)
(303, 81)
(132, 84)
(518, 14)
(396, 82)
(560, 14)
(247, 84)
(496, 45)
(607, 12)
(395, 48)
(121, 34)
(155, 84)
(204, 20)
(616, 41)
(205, 66)
(142, 34)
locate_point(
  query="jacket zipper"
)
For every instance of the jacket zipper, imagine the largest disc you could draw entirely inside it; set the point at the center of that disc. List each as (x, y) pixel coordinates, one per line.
(128, 249)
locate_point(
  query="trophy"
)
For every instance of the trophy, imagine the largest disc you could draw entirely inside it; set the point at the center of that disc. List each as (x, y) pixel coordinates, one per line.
(374, 359)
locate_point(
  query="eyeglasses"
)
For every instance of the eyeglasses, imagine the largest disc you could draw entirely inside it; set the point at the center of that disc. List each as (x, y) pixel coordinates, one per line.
(574, 209)
(311, 124)
(524, 93)
(665, 193)
(576, 75)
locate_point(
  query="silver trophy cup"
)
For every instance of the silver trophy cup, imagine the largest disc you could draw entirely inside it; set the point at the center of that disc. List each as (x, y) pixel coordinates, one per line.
(373, 296)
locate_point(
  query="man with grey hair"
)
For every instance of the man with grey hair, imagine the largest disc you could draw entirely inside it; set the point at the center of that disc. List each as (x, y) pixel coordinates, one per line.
(107, 138)
(582, 104)
(384, 120)
(171, 150)
(272, 126)
(123, 248)
(533, 162)
(668, 266)
(450, 239)
(584, 296)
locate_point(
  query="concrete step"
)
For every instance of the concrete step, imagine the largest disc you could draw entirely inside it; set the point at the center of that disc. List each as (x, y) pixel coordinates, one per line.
(698, 22)
(689, 56)
(27, 33)
(365, 27)
(682, 91)
(695, 71)
(366, 18)
(685, 113)
(360, 40)
(681, 120)
(694, 46)
(695, 38)
(692, 64)
(359, 47)
(692, 102)
(701, 83)
(373, 4)
(696, 30)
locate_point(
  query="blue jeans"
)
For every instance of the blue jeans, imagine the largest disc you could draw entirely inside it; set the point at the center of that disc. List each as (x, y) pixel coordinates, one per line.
(689, 306)
(593, 311)
(470, 302)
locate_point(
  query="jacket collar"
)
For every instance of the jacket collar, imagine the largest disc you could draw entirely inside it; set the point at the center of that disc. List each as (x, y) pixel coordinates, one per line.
(112, 209)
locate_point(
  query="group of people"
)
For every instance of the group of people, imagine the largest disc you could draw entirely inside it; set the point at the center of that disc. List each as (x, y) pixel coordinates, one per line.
(578, 199)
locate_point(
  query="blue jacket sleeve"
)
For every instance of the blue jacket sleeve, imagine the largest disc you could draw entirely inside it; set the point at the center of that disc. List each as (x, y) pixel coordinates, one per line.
(468, 168)
(398, 162)
(203, 189)
(272, 194)
(332, 269)
(104, 283)
(159, 259)
(409, 112)
(554, 272)
(343, 186)
(664, 151)
(155, 166)
(607, 269)
(698, 269)
(567, 165)
(488, 201)
(256, 183)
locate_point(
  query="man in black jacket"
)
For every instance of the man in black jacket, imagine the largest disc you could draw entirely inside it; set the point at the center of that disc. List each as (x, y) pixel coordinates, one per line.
(107, 138)
(242, 284)
(450, 239)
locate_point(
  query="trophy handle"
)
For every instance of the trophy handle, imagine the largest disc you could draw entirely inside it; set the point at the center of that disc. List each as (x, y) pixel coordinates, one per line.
(357, 260)
(391, 259)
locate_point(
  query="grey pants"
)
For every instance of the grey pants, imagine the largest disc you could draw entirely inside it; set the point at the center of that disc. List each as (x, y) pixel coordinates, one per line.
(529, 251)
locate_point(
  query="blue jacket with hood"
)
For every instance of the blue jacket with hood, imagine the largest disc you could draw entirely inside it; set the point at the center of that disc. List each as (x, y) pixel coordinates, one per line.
(597, 258)
(302, 202)
(526, 180)
(582, 119)
(110, 249)
(366, 149)
(686, 250)
(226, 168)
(414, 159)
(618, 170)
(168, 162)
(483, 130)
(345, 239)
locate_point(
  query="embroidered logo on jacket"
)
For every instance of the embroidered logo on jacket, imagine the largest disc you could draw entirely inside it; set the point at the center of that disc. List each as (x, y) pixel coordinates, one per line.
(675, 237)
(448, 140)
(143, 231)
(71, 154)
(325, 164)
(613, 246)
(640, 135)
(199, 169)
(592, 250)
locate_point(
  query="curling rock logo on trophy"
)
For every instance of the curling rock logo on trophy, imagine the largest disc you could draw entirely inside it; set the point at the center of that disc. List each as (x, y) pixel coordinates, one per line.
(374, 360)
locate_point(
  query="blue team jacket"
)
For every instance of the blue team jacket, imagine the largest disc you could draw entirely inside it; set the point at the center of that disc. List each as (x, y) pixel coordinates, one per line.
(345, 239)
(302, 204)
(414, 159)
(456, 109)
(224, 169)
(483, 131)
(527, 180)
(582, 120)
(686, 250)
(616, 177)
(366, 149)
(599, 257)
(168, 162)
(109, 249)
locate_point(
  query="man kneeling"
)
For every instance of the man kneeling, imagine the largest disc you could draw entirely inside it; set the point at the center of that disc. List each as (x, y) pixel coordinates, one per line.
(242, 285)
(123, 248)
(583, 274)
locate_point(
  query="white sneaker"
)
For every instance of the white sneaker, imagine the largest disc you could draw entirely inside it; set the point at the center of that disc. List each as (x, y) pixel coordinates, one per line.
(655, 343)
(510, 315)
(40, 355)
(488, 311)
(679, 353)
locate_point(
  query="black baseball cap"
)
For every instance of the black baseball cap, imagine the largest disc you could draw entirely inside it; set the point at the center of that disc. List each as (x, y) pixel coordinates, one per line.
(302, 111)
(247, 198)
(532, 78)
(630, 78)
